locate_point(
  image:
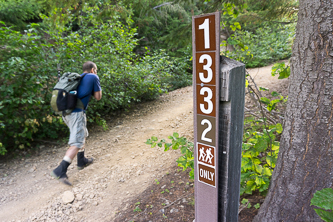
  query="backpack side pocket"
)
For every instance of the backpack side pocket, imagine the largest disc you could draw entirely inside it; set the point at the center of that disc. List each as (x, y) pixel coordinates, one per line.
(62, 100)
(71, 100)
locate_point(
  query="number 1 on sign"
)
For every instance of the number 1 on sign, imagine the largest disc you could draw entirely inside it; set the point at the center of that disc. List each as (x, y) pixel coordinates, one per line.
(205, 27)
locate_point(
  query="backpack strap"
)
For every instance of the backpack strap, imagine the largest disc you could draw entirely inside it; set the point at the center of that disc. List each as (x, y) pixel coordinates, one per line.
(79, 104)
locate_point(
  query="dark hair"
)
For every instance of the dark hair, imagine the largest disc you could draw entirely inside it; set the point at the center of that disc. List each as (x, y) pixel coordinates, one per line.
(87, 66)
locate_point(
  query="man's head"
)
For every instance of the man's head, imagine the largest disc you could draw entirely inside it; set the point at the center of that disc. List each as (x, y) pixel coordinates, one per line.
(90, 67)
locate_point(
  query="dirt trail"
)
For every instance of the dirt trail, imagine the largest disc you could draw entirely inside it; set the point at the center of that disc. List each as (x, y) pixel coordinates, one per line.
(124, 166)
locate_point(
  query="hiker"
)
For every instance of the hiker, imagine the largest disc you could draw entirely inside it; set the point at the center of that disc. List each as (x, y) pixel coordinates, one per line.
(77, 123)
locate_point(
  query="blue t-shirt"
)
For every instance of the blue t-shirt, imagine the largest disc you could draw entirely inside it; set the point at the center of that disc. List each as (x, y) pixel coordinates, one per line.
(88, 85)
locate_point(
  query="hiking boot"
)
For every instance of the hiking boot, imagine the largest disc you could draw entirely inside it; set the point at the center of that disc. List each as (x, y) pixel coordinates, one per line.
(86, 162)
(83, 162)
(63, 179)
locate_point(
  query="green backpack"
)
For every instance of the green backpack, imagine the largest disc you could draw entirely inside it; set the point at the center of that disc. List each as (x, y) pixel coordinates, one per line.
(64, 95)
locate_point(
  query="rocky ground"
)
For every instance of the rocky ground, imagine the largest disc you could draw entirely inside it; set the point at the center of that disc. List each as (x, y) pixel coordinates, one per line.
(128, 180)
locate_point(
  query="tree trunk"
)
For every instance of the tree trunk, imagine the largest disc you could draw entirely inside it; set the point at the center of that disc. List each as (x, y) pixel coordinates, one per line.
(305, 162)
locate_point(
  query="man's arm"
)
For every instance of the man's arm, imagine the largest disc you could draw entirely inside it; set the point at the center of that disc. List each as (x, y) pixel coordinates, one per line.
(98, 95)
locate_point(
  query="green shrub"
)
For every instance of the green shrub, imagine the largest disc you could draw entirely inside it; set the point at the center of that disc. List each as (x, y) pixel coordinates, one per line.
(28, 62)
(259, 154)
(267, 44)
(186, 147)
(25, 77)
(17, 12)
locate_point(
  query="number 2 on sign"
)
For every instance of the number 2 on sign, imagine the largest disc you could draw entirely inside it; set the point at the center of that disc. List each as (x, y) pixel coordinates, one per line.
(209, 128)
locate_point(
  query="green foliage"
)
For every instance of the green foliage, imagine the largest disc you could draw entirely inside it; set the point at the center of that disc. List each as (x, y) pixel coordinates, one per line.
(29, 63)
(24, 89)
(324, 200)
(261, 46)
(187, 159)
(259, 11)
(272, 104)
(17, 12)
(164, 25)
(259, 154)
(281, 69)
(137, 209)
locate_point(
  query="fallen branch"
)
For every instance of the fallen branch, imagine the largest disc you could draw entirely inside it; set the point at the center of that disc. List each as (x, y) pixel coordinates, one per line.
(242, 207)
(138, 214)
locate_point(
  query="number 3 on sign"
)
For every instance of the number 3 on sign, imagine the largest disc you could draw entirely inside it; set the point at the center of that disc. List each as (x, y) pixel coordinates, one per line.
(206, 67)
(207, 99)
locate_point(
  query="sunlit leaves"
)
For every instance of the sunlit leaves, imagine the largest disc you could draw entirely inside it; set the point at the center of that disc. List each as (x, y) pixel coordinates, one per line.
(281, 69)
(324, 200)
(259, 155)
(187, 159)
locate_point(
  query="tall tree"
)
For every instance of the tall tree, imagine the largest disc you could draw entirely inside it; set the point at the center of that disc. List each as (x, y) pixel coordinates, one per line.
(305, 162)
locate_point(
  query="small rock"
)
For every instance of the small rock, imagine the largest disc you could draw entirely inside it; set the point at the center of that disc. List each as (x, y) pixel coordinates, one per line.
(68, 197)
(32, 169)
(162, 211)
(95, 203)
(79, 196)
(173, 210)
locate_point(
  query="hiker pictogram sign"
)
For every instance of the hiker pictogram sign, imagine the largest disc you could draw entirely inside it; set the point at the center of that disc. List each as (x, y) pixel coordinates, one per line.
(206, 164)
(206, 155)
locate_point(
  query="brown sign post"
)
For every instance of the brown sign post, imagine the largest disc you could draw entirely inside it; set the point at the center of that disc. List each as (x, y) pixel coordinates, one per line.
(206, 62)
(219, 94)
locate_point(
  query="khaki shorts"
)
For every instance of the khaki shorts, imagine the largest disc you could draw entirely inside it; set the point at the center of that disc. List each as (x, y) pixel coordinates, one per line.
(77, 124)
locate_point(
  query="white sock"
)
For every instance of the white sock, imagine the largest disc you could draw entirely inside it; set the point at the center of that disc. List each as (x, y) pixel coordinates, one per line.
(68, 159)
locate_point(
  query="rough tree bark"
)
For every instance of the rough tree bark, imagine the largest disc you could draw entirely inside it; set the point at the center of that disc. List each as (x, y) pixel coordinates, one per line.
(305, 162)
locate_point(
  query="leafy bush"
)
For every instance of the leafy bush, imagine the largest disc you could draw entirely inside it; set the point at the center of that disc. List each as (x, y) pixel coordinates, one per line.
(24, 88)
(259, 154)
(29, 61)
(260, 149)
(186, 148)
(263, 46)
(17, 12)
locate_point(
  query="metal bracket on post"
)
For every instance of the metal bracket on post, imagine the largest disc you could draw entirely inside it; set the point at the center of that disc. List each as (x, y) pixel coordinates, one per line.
(231, 121)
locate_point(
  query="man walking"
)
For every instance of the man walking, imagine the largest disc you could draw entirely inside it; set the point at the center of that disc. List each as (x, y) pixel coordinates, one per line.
(77, 123)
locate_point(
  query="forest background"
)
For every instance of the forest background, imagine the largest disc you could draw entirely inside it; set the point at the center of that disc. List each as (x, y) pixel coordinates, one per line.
(142, 49)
